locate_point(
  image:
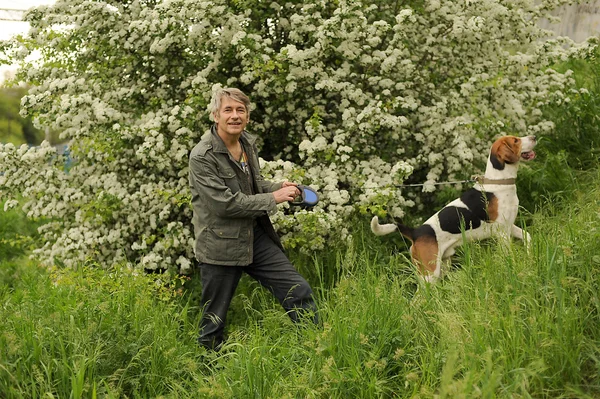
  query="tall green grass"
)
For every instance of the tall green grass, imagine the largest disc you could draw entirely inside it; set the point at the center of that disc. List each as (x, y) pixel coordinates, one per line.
(88, 332)
(505, 322)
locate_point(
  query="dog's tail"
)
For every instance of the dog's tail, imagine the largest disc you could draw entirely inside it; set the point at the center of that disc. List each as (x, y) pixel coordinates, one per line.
(383, 229)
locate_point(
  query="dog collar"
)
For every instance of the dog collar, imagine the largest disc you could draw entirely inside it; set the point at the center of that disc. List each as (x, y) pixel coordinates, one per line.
(502, 182)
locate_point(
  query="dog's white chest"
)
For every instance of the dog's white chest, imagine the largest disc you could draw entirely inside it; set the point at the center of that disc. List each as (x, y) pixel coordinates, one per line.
(508, 205)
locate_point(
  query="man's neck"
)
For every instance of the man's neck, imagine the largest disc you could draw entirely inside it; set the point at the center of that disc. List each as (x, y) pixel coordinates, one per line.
(230, 140)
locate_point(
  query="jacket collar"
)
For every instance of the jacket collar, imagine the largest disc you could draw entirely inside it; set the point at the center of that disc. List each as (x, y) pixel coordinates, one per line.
(218, 144)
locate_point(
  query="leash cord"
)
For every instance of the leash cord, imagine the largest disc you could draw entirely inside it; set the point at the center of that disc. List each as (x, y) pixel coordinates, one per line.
(437, 183)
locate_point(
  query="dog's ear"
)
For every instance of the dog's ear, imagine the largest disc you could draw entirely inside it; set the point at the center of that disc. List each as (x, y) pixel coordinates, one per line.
(512, 149)
(506, 150)
(497, 163)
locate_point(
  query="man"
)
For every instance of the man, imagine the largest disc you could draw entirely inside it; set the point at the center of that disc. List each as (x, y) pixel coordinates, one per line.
(231, 203)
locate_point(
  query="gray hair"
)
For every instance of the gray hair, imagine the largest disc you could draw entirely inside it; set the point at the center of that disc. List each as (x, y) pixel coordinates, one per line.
(233, 93)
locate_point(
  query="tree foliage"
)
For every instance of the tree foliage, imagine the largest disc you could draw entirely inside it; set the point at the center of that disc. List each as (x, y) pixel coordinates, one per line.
(349, 96)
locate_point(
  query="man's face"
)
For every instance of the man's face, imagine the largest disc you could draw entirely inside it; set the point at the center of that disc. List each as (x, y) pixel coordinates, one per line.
(232, 117)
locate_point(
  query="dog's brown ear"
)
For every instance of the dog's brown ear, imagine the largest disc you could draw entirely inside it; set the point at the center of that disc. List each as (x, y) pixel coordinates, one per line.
(506, 150)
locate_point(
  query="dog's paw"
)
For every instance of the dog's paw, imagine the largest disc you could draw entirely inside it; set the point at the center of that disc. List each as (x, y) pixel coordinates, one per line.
(527, 240)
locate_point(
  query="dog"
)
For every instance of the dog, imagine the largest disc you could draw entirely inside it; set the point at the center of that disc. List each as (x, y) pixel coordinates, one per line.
(486, 210)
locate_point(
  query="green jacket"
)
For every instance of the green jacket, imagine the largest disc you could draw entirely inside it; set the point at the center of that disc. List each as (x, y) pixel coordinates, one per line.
(225, 210)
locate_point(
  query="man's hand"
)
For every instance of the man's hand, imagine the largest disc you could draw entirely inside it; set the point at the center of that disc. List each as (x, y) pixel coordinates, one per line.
(287, 192)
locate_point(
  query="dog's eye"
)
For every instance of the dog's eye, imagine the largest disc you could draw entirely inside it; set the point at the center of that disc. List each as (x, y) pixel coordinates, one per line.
(516, 140)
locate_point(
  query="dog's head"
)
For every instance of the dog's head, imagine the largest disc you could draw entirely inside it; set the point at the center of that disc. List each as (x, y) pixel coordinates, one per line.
(509, 150)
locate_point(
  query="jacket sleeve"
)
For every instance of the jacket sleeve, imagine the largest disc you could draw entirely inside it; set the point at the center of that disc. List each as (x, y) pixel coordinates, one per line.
(267, 186)
(220, 199)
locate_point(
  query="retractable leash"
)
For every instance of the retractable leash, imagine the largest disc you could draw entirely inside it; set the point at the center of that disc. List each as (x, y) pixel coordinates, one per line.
(441, 183)
(474, 179)
(308, 197)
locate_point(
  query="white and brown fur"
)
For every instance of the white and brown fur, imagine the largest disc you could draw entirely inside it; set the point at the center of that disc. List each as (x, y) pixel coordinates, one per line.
(488, 209)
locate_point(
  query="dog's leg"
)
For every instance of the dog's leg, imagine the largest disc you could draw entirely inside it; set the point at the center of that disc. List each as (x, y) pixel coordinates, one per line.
(449, 253)
(440, 265)
(433, 271)
(502, 233)
(426, 256)
(518, 232)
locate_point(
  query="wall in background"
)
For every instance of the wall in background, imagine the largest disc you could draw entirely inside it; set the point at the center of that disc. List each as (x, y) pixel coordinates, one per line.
(578, 21)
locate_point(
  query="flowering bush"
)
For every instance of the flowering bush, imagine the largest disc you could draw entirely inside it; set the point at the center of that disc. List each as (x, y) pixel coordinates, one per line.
(349, 96)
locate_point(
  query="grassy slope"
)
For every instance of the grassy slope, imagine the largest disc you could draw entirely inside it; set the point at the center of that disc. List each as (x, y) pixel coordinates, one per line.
(506, 323)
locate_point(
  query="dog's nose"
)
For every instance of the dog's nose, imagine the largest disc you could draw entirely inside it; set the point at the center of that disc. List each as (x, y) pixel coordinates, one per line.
(533, 138)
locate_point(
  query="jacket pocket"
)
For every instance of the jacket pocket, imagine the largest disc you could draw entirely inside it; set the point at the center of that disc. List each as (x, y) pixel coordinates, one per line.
(227, 232)
(229, 177)
(223, 243)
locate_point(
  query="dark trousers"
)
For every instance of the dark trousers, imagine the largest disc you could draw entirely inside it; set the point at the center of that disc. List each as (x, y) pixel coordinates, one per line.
(271, 268)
